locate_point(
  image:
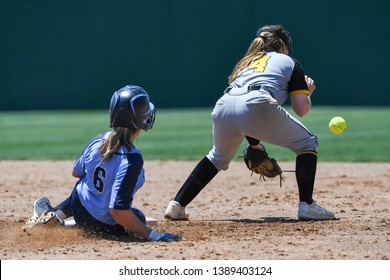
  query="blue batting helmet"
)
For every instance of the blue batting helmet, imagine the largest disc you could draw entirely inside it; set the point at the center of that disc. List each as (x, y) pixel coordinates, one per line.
(130, 107)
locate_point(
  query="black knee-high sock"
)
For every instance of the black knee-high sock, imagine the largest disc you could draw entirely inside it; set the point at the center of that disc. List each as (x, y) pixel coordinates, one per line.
(305, 171)
(202, 174)
(252, 141)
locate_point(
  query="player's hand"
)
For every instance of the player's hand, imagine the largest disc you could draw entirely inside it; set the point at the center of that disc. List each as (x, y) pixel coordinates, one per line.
(310, 84)
(163, 236)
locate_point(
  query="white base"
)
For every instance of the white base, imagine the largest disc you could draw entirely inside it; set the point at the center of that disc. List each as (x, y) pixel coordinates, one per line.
(149, 222)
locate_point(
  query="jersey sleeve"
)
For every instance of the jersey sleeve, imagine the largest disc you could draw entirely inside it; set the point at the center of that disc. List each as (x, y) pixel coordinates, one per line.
(126, 182)
(297, 83)
(79, 165)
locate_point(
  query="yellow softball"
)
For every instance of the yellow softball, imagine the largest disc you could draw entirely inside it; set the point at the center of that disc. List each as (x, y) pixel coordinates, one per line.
(337, 125)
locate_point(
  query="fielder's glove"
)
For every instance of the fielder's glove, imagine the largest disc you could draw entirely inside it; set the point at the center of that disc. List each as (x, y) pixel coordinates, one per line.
(260, 163)
(163, 236)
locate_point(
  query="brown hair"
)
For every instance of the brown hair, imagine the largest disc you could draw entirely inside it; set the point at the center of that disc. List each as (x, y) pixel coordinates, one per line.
(269, 38)
(120, 136)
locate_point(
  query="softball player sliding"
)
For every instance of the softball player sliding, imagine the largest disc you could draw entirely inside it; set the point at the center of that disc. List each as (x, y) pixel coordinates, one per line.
(251, 108)
(111, 172)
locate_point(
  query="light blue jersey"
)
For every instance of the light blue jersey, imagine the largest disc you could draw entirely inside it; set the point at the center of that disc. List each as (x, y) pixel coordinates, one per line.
(111, 184)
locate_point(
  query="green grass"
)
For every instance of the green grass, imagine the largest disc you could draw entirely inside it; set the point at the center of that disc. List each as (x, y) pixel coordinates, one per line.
(186, 134)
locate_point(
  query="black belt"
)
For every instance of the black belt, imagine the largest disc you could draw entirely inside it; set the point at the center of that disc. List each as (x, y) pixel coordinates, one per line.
(250, 88)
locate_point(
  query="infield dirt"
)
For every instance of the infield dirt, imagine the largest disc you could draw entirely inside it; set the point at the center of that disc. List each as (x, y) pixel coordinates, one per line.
(237, 216)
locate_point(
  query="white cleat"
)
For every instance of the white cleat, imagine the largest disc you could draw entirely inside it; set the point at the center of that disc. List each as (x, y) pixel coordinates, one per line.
(314, 212)
(175, 211)
(42, 213)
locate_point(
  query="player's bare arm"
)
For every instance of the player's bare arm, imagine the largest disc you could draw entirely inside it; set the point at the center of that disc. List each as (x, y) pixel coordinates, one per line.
(127, 219)
(301, 104)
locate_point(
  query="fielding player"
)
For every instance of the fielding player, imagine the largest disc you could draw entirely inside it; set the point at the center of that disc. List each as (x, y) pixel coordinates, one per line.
(251, 108)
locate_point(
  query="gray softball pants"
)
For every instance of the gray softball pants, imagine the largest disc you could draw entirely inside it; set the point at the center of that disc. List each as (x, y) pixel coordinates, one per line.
(258, 115)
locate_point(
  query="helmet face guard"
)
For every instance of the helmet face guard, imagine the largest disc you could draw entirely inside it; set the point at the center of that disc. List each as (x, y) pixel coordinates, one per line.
(149, 122)
(130, 107)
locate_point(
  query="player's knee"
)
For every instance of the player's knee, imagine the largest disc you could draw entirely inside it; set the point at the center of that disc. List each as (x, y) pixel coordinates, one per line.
(219, 162)
(139, 214)
(310, 144)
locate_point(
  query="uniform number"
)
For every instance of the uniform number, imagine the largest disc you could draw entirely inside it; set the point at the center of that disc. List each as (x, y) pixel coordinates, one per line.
(98, 178)
(260, 64)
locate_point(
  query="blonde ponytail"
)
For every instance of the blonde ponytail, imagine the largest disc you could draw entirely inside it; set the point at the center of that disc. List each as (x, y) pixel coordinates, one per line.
(120, 136)
(254, 52)
(264, 42)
